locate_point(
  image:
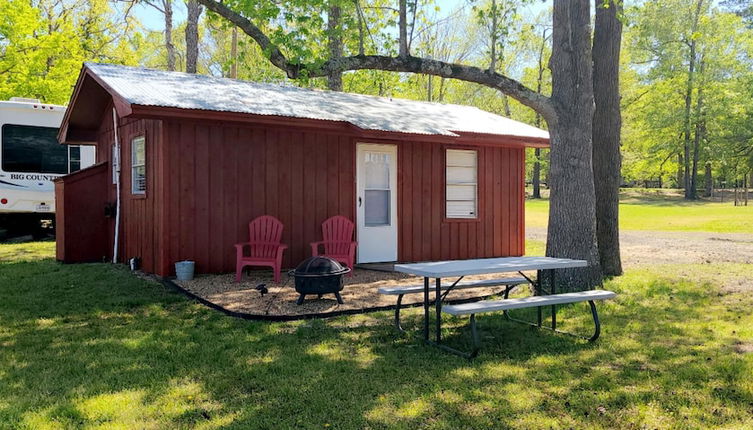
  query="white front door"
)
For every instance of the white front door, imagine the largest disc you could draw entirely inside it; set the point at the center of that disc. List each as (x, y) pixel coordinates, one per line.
(376, 202)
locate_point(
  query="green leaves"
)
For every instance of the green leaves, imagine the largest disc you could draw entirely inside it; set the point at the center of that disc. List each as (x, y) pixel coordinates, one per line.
(654, 80)
(44, 42)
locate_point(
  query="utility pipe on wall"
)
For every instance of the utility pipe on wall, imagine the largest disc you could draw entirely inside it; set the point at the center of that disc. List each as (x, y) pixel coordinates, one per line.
(116, 168)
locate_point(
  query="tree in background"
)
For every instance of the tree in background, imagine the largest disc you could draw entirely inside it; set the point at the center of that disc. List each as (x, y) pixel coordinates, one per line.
(743, 8)
(666, 110)
(223, 50)
(44, 42)
(165, 7)
(192, 35)
(335, 44)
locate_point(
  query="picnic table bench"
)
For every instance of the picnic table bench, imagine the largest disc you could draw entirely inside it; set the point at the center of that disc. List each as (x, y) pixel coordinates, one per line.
(462, 268)
(485, 306)
(508, 283)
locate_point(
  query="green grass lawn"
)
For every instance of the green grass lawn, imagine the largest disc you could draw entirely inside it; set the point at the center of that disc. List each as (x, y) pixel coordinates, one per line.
(91, 346)
(647, 213)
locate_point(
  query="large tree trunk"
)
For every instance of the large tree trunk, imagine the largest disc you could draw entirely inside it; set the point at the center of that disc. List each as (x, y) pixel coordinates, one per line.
(192, 35)
(334, 79)
(169, 47)
(572, 224)
(606, 133)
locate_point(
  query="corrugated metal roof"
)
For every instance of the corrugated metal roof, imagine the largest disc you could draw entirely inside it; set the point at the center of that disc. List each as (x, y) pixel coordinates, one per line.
(149, 87)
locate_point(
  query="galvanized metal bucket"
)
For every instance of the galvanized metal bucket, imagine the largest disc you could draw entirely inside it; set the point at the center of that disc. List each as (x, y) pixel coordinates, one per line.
(184, 270)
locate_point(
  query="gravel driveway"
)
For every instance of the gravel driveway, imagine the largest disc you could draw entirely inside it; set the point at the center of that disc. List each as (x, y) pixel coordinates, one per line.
(662, 247)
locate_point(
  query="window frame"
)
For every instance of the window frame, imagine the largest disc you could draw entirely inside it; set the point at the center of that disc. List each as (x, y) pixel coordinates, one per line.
(389, 190)
(478, 185)
(70, 158)
(132, 139)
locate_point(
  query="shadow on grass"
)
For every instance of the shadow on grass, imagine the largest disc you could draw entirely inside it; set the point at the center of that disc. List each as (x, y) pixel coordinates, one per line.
(92, 345)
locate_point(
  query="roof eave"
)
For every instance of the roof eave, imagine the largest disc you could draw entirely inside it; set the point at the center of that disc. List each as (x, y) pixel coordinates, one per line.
(507, 139)
(74, 136)
(148, 111)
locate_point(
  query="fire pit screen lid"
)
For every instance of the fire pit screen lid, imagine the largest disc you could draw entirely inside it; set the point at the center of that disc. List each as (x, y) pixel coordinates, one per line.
(320, 266)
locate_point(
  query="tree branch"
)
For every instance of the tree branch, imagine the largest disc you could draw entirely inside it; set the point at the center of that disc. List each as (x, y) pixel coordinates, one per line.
(407, 64)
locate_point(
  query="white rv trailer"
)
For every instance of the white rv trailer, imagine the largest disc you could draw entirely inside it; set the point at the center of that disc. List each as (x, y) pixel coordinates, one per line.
(31, 158)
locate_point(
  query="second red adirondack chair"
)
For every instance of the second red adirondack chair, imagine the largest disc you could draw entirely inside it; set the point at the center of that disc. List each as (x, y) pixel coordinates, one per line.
(265, 249)
(338, 242)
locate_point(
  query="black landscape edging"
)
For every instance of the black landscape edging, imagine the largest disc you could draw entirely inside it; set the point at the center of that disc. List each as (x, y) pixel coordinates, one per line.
(280, 318)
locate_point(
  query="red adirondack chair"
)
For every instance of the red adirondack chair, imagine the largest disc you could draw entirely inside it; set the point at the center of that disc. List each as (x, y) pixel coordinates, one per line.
(338, 241)
(264, 246)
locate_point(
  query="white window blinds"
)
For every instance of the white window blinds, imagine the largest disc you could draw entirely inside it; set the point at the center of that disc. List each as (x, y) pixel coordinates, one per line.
(462, 183)
(138, 165)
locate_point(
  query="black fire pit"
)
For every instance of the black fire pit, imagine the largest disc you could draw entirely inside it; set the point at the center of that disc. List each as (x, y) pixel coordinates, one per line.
(319, 275)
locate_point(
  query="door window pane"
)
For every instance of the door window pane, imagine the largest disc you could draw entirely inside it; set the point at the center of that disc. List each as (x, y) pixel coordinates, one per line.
(377, 171)
(377, 208)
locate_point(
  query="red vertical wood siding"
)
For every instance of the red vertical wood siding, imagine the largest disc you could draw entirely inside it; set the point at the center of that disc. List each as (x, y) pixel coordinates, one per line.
(424, 232)
(219, 177)
(80, 217)
(207, 180)
(140, 235)
(298, 176)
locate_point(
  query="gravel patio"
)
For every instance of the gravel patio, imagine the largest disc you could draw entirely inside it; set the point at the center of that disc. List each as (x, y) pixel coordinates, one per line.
(359, 293)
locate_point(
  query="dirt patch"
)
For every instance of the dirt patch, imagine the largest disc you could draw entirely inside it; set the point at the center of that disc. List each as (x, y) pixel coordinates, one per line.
(738, 286)
(743, 347)
(360, 292)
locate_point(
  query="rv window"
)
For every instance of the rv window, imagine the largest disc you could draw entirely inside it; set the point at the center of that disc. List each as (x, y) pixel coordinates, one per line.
(461, 188)
(32, 149)
(138, 165)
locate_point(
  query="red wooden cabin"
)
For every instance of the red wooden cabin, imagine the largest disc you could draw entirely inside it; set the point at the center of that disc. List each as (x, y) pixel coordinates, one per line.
(200, 157)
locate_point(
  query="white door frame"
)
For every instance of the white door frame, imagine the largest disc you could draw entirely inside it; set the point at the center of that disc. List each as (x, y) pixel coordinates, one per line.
(376, 243)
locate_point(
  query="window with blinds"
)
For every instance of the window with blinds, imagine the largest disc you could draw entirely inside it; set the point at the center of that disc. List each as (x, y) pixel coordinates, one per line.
(461, 183)
(138, 165)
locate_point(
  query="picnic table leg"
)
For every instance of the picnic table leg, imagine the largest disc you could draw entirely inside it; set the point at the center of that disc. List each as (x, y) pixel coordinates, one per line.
(553, 288)
(426, 308)
(438, 306)
(537, 292)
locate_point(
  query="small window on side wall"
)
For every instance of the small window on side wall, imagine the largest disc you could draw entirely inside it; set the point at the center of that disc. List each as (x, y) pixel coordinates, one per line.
(461, 191)
(74, 159)
(138, 165)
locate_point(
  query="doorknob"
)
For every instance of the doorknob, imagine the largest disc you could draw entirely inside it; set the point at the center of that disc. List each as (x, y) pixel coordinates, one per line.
(359, 202)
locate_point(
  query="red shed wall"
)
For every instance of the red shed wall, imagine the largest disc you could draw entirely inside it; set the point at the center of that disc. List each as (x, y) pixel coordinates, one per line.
(141, 213)
(80, 223)
(140, 231)
(217, 177)
(425, 234)
(222, 176)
